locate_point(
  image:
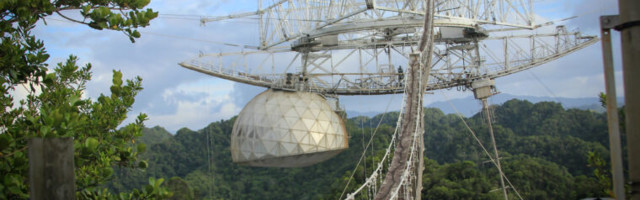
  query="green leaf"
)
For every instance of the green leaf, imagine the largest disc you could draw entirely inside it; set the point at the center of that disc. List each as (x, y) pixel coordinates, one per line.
(91, 144)
(135, 34)
(86, 9)
(117, 78)
(107, 171)
(143, 164)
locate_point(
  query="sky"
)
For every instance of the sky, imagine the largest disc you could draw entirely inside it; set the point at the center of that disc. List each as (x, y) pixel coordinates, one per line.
(175, 97)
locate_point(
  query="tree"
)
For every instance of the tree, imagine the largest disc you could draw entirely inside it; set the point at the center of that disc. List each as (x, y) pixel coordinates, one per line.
(180, 189)
(59, 110)
(23, 56)
(460, 180)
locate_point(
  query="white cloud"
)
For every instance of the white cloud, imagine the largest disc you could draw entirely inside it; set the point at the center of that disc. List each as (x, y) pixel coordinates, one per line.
(197, 104)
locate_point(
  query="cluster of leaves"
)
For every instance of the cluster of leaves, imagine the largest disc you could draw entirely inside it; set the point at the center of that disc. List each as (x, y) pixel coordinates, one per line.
(601, 171)
(153, 190)
(55, 106)
(60, 111)
(23, 57)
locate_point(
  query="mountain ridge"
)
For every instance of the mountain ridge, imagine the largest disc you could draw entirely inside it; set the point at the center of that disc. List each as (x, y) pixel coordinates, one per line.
(468, 106)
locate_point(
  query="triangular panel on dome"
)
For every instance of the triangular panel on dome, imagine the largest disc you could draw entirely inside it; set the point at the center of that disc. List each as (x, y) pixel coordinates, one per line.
(246, 146)
(308, 115)
(323, 141)
(259, 147)
(290, 112)
(299, 125)
(324, 126)
(308, 148)
(245, 154)
(331, 139)
(270, 146)
(280, 150)
(285, 136)
(289, 148)
(297, 150)
(299, 136)
(300, 110)
(269, 134)
(260, 155)
(315, 112)
(314, 105)
(292, 98)
(316, 127)
(301, 104)
(291, 120)
(325, 115)
(308, 123)
(281, 123)
(316, 137)
(250, 133)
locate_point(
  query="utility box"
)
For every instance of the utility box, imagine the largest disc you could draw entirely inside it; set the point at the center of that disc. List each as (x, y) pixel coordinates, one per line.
(451, 32)
(329, 40)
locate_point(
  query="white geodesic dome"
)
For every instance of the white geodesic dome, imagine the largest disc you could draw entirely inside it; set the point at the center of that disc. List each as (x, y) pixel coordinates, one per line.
(287, 129)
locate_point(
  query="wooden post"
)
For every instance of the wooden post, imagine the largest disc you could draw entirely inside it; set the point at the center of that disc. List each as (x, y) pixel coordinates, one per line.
(51, 174)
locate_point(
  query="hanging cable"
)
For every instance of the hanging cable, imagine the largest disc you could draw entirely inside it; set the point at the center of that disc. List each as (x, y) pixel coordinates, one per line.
(377, 173)
(367, 146)
(480, 143)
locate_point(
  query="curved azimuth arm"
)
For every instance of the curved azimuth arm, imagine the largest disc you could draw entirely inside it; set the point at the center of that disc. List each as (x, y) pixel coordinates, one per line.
(290, 20)
(351, 47)
(366, 65)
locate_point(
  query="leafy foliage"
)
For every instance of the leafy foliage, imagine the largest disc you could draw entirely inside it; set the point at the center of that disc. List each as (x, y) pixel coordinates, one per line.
(549, 164)
(55, 106)
(23, 56)
(59, 111)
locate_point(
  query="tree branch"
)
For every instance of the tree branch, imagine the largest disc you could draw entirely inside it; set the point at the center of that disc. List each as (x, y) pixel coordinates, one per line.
(70, 19)
(19, 150)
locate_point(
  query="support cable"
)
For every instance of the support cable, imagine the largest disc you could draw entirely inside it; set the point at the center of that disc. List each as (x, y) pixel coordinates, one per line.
(485, 105)
(368, 145)
(481, 145)
(377, 173)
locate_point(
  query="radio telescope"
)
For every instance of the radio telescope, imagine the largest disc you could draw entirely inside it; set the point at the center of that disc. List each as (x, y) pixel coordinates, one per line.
(358, 47)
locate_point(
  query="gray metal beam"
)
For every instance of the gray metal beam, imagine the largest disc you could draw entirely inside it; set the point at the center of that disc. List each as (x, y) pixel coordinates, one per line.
(629, 28)
(606, 23)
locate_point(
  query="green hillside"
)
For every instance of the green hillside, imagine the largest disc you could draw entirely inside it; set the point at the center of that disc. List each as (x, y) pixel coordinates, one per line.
(543, 148)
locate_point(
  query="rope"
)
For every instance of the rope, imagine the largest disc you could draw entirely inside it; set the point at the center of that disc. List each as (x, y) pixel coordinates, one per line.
(364, 152)
(408, 168)
(378, 171)
(209, 160)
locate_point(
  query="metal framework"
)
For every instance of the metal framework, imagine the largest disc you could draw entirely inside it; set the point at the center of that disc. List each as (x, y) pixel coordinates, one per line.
(353, 47)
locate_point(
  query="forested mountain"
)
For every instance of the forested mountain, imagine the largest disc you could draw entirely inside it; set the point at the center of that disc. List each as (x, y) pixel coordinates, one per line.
(543, 149)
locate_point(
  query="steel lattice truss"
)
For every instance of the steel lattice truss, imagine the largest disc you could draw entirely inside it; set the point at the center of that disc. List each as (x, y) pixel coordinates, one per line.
(354, 47)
